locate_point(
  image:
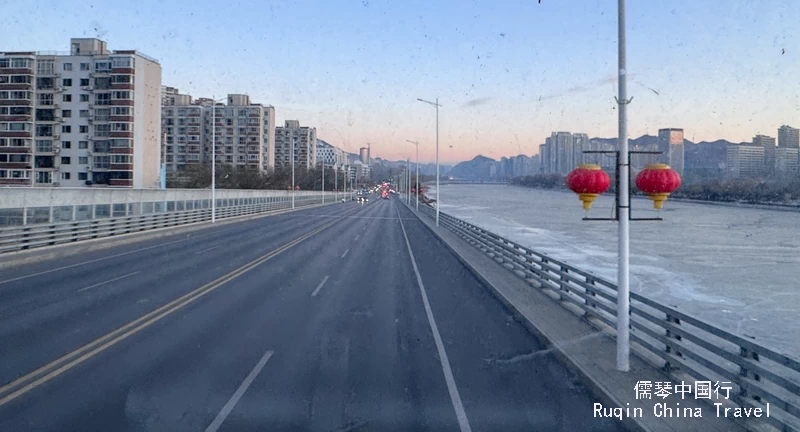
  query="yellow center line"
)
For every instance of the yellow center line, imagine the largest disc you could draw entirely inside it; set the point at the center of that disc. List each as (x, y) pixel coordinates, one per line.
(18, 387)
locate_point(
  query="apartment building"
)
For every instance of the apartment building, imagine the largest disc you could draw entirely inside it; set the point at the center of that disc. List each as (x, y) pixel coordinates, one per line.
(788, 137)
(670, 144)
(744, 160)
(330, 155)
(245, 132)
(305, 145)
(87, 117)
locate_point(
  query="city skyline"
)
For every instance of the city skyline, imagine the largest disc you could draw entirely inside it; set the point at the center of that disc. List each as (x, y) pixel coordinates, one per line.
(357, 68)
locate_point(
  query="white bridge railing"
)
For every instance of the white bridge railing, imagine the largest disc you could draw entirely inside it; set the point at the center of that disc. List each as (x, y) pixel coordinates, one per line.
(36, 217)
(684, 346)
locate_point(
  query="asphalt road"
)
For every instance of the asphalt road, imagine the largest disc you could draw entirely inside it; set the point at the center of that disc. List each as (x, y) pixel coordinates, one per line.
(318, 320)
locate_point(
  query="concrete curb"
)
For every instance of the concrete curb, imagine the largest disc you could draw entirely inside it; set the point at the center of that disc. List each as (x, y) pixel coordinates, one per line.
(36, 255)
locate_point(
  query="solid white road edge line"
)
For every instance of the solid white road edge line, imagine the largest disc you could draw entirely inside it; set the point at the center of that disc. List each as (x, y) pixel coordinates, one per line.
(455, 398)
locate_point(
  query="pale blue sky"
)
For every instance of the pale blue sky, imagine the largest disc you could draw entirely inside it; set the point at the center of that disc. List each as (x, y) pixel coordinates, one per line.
(354, 68)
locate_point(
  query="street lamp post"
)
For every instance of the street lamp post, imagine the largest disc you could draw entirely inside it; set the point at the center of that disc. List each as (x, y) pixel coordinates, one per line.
(408, 180)
(214, 158)
(416, 184)
(293, 173)
(323, 181)
(623, 272)
(438, 189)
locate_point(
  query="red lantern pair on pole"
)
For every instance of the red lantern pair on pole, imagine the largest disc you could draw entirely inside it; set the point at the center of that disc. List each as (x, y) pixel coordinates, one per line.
(656, 180)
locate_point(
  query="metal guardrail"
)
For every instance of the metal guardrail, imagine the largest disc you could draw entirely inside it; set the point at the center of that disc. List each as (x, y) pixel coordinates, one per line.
(103, 220)
(685, 347)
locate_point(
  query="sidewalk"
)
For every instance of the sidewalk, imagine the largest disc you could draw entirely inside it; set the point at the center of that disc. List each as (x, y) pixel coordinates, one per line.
(587, 351)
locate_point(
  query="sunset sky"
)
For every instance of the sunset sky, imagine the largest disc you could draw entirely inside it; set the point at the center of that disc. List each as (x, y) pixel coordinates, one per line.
(507, 72)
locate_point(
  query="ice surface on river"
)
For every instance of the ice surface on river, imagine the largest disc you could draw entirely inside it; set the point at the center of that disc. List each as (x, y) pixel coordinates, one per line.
(738, 268)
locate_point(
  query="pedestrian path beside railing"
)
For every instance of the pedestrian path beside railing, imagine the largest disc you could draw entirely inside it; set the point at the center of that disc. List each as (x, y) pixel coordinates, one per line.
(687, 348)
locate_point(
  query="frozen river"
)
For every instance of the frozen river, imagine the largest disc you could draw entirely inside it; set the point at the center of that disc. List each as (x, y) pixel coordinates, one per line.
(738, 268)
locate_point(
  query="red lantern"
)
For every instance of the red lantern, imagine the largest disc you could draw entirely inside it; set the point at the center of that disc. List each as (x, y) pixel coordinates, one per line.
(588, 181)
(658, 181)
(413, 190)
(288, 188)
(297, 188)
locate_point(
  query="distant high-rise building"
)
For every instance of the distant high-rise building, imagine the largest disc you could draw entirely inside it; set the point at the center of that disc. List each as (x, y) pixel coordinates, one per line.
(580, 142)
(745, 160)
(543, 158)
(787, 161)
(363, 154)
(670, 143)
(769, 152)
(788, 137)
(763, 140)
(707, 160)
(562, 144)
(305, 145)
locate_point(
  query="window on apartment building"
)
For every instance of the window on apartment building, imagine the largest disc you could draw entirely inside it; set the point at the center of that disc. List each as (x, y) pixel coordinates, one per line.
(83, 144)
(66, 113)
(84, 113)
(85, 66)
(83, 129)
(44, 130)
(66, 98)
(66, 82)
(83, 176)
(102, 130)
(121, 111)
(169, 149)
(240, 149)
(66, 129)
(45, 67)
(181, 149)
(102, 66)
(102, 161)
(229, 159)
(66, 144)
(65, 175)
(229, 122)
(121, 79)
(84, 82)
(228, 149)
(170, 158)
(121, 94)
(83, 160)
(46, 99)
(102, 98)
(65, 160)
(84, 98)
(121, 62)
(45, 83)
(67, 66)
